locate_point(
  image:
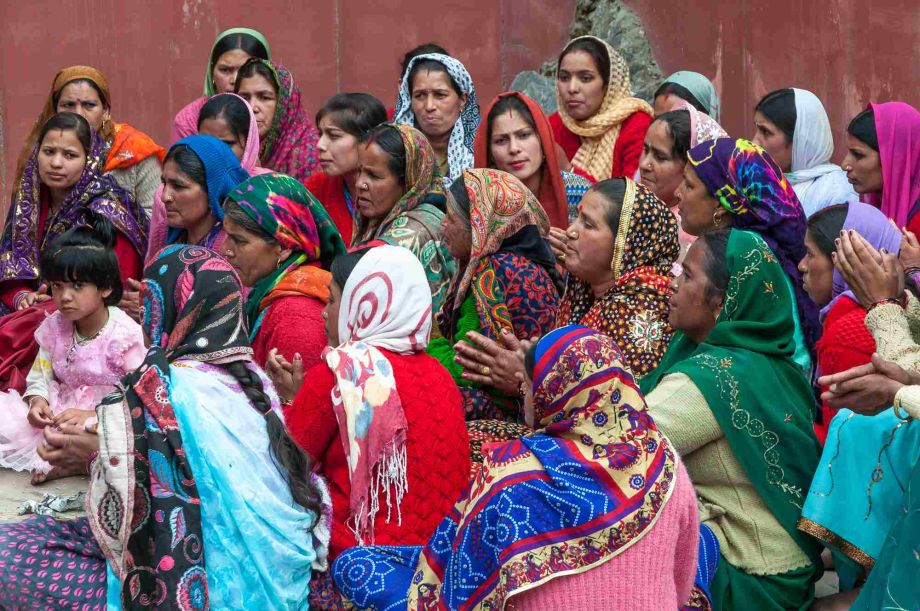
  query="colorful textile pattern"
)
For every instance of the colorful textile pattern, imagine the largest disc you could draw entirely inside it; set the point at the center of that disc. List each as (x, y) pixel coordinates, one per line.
(575, 188)
(897, 126)
(209, 89)
(572, 495)
(21, 248)
(767, 418)
(700, 87)
(385, 304)
(482, 432)
(707, 562)
(747, 182)
(634, 313)
(703, 128)
(460, 145)
(599, 132)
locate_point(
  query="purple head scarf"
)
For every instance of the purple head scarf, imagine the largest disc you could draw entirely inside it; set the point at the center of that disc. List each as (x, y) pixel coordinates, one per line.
(897, 126)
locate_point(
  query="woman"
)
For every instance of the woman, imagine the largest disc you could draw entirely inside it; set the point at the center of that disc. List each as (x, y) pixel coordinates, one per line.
(845, 341)
(230, 50)
(739, 412)
(517, 139)
(599, 125)
(496, 229)
(793, 127)
(288, 137)
(437, 97)
(401, 201)
(281, 242)
(735, 182)
(626, 498)
(130, 156)
(161, 516)
(198, 174)
(343, 121)
(690, 87)
(883, 160)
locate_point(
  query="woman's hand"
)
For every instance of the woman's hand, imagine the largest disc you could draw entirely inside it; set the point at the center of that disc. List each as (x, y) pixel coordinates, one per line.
(286, 376)
(873, 276)
(68, 452)
(73, 418)
(558, 241)
(131, 299)
(867, 389)
(910, 251)
(31, 298)
(490, 363)
(40, 414)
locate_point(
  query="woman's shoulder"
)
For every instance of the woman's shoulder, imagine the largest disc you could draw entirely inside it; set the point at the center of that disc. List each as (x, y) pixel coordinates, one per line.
(130, 146)
(845, 325)
(322, 185)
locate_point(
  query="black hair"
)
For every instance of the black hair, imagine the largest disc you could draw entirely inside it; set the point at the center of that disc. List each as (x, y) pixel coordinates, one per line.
(56, 96)
(682, 92)
(613, 190)
(779, 109)
(432, 65)
(343, 265)
(715, 264)
(69, 121)
(387, 137)
(189, 164)
(530, 359)
(252, 67)
(426, 49)
(677, 124)
(596, 50)
(862, 127)
(233, 211)
(247, 43)
(85, 253)
(507, 103)
(825, 225)
(461, 196)
(289, 458)
(229, 108)
(353, 113)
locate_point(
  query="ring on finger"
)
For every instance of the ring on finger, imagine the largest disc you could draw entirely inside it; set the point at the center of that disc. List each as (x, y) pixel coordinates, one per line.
(485, 370)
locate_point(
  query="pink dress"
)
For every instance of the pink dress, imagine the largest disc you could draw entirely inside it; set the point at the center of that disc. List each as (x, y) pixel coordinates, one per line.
(68, 375)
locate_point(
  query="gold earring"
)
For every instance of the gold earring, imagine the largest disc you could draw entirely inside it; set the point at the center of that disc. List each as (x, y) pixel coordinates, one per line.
(278, 264)
(716, 219)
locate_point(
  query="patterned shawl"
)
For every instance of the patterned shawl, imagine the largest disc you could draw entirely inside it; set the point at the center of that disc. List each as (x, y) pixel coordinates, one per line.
(20, 247)
(701, 88)
(898, 128)
(746, 181)
(287, 212)
(599, 132)
(460, 146)
(634, 313)
(385, 304)
(143, 503)
(703, 128)
(552, 193)
(289, 146)
(761, 398)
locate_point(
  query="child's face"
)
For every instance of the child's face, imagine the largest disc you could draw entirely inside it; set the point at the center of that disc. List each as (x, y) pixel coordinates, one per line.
(77, 300)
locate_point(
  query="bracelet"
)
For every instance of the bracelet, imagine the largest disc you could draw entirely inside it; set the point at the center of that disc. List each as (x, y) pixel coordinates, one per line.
(896, 407)
(897, 300)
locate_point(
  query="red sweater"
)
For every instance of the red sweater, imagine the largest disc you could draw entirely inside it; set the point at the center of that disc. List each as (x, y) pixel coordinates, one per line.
(845, 343)
(330, 191)
(292, 324)
(626, 151)
(437, 449)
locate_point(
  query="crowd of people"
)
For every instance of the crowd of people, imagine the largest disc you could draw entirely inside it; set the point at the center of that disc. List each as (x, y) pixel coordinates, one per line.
(433, 357)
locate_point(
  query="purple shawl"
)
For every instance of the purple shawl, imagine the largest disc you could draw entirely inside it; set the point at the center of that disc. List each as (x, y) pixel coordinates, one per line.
(897, 126)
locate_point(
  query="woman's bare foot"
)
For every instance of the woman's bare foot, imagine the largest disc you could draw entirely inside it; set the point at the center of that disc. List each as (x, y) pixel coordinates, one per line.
(39, 477)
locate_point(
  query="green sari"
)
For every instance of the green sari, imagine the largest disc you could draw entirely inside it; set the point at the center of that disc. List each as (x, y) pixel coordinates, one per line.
(765, 407)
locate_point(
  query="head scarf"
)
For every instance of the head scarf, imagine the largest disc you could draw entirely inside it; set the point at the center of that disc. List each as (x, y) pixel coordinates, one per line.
(209, 75)
(460, 145)
(20, 247)
(767, 417)
(898, 128)
(222, 172)
(599, 132)
(385, 304)
(703, 128)
(701, 88)
(746, 181)
(286, 211)
(552, 188)
(634, 312)
(250, 158)
(290, 144)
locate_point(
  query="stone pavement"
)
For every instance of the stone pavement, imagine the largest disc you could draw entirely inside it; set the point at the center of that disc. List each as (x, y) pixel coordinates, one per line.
(15, 488)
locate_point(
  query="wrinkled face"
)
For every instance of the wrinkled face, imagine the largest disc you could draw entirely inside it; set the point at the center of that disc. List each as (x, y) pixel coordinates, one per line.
(590, 254)
(580, 85)
(77, 300)
(773, 140)
(664, 103)
(690, 309)
(515, 146)
(224, 74)
(185, 201)
(220, 129)
(435, 103)
(82, 99)
(457, 235)
(338, 150)
(61, 159)
(817, 272)
(250, 255)
(331, 314)
(863, 166)
(698, 209)
(378, 188)
(660, 170)
(263, 97)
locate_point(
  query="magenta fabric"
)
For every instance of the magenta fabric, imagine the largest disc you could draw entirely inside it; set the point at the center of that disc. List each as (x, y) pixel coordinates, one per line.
(897, 125)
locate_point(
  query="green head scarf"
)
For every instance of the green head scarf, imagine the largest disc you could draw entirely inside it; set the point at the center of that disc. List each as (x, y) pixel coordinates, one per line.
(208, 82)
(701, 88)
(760, 397)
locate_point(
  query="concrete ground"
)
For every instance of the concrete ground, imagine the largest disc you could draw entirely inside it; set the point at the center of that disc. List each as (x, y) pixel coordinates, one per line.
(15, 488)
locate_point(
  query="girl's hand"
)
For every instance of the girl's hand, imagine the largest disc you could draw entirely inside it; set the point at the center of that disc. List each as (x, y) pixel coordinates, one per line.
(286, 376)
(40, 414)
(73, 418)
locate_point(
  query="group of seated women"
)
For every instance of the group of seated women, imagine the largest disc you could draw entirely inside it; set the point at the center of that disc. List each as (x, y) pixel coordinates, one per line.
(610, 357)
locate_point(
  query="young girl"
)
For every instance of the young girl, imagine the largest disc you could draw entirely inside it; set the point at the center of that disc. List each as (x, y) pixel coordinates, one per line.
(85, 347)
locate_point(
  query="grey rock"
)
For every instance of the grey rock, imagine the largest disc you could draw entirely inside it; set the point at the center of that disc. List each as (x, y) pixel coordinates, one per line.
(540, 87)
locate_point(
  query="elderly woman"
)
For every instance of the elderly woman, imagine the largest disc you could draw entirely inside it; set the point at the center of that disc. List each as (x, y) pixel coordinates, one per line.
(183, 501)
(437, 97)
(690, 87)
(739, 411)
(130, 156)
(281, 242)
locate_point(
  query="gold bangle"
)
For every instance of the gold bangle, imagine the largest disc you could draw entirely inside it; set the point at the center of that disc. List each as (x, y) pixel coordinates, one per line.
(896, 406)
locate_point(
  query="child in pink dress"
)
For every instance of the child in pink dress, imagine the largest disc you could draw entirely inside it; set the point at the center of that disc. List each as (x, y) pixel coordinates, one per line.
(85, 347)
